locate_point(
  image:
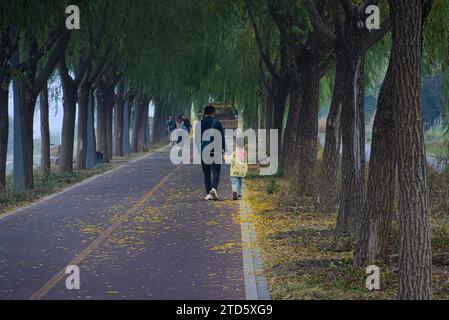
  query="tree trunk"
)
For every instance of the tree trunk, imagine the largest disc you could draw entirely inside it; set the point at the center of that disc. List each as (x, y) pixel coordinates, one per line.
(126, 127)
(280, 100)
(415, 256)
(142, 134)
(28, 106)
(156, 120)
(327, 191)
(307, 136)
(101, 122)
(4, 130)
(261, 112)
(68, 128)
(352, 185)
(269, 113)
(83, 101)
(118, 120)
(109, 124)
(372, 246)
(138, 123)
(91, 146)
(361, 110)
(45, 132)
(19, 161)
(289, 143)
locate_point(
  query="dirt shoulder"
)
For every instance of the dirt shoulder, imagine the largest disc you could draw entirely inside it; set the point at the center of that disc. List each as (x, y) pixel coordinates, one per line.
(304, 260)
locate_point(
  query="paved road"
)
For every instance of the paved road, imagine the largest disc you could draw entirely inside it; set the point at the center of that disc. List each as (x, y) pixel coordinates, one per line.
(142, 231)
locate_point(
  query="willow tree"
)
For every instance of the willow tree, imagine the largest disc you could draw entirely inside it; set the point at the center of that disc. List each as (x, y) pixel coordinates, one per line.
(44, 38)
(373, 244)
(4, 94)
(415, 276)
(25, 27)
(75, 69)
(10, 17)
(273, 62)
(350, 43)
(309, 63)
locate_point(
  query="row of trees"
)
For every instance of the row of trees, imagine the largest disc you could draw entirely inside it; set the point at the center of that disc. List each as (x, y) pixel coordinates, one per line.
(302, 46)
(113, 66)
(276, 60)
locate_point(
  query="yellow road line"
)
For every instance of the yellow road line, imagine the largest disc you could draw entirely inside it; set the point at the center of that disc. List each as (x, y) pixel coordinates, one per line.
(39, 294)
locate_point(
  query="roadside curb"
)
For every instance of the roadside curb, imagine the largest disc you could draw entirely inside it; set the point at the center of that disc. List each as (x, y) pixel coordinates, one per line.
(76, 185)
(256, 286)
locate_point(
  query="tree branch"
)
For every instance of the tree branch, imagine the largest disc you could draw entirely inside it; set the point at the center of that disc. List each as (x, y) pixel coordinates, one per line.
(348, 7)
(39, 53)
(64, 71)
(318, 23)
(377, 35)
(265, 58)
(326, 64)
(58, 51)
(282, 23)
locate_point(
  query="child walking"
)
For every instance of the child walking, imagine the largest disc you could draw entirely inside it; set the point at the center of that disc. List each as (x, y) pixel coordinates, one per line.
(239, 168)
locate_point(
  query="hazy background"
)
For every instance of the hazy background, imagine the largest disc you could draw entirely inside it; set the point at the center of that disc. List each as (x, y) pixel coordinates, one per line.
(55, 121)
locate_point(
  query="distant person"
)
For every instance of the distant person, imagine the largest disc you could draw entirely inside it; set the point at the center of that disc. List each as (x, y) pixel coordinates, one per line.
(239, 169)
(171, 126)
(186, 125)
(183, 123)
(211, 171)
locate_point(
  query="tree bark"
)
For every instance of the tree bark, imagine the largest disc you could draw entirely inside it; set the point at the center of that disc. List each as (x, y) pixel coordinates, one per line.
(138, 123)
(307, 136)
(415, 256)
(372, 246)
(45, 132)
(118, 120)
(105, 100)
(4, 130)
(142, 134)
(28, 107)
(126, 127)
(109, 124)
(352, 185)
(289, 143)
(68, 126)
(83, 101)
(101, 121)
(91, 136)
(269, 119)
(327, 195)
(280, 99)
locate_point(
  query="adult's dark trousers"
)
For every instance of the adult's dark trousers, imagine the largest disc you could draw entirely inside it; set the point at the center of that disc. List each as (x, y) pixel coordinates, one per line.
(211, 176)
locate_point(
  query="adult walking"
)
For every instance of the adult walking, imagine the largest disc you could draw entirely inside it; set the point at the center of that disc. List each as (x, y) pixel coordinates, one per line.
(212, 170)
(184, 124)
(171, 126)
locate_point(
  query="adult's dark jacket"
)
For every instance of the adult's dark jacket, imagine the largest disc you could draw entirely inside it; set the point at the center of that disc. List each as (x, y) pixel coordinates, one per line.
(207, 123)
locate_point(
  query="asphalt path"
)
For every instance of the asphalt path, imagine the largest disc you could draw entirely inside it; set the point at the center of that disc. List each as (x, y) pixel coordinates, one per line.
(142, 231)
